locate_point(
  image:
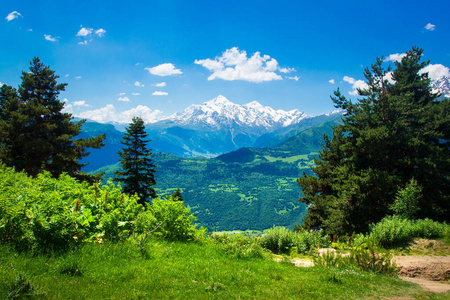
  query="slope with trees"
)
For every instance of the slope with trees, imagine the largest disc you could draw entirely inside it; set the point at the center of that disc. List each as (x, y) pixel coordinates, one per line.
(35, 134)
(397, 131)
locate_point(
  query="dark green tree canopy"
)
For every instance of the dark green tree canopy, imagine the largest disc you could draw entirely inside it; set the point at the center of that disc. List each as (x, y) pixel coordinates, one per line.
(396, 131)
(35, 134)
(137, 174)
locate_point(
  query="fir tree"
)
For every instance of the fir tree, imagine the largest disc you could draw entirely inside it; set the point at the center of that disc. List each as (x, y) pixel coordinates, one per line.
(35, 134)
(137, 174)
(395, 132)
(177, 196)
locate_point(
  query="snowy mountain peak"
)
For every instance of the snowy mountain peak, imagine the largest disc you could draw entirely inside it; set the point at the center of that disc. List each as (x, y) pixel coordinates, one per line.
(441, 85)
(220, 113)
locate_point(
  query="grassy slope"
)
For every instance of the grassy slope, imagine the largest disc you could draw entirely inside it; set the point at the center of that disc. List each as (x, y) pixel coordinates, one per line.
(189, 271)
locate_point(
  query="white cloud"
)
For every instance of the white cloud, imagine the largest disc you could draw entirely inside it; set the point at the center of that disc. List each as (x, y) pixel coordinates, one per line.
(331, 81)
(78, 77)
(124, 99)
(430, 27)
(160, 84)
(158, 93)
(85, 31)
(136, 94)
(67, 75)
(395, 57)
(356, 84)
(100, 32)
(121, 94)
(80, 103)
(109, 114)
(137, 83)
(235, 65)
(13, 15)
(166, 69)
(50, 38)
(287, 70)
(85, 42)
(296, 78)
(436, 71)
(1, 84)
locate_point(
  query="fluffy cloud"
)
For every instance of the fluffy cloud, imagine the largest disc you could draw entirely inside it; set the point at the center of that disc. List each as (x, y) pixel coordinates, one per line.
(78, 77)
(430, 27)
(13, 15)
(137, 83)
(436, 71)
(100, 32)
(110, 114)
(158, 93)
(160, 84)
(356, 84)
(331, 81)
(50, 38)
(235, 65)
(80, 103)
(121, 94)
(85, 31)
(166, 69)
(395, 57)
(296, 78)
(124, 99)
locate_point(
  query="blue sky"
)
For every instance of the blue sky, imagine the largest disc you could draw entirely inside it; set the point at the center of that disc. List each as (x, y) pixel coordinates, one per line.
(154, 58)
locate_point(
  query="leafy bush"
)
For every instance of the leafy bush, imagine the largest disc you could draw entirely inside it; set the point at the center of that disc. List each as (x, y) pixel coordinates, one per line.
(406, 204)
(429, 229)
(369, 258)
(240, 246)
(393, 231)
(45, 214)
(281, 240)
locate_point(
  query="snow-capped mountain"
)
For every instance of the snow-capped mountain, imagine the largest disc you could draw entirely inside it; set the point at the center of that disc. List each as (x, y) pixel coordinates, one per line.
(441, 85)
(220, 113)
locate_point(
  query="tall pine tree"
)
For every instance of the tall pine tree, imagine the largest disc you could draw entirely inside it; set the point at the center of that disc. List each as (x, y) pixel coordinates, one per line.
(137, 174)
(35, 134)
(396, 131)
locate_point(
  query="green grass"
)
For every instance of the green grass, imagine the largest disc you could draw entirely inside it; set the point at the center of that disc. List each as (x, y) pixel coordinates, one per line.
(187, 271)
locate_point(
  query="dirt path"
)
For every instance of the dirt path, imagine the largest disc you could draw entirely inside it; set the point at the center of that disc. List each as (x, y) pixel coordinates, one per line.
(432, 286)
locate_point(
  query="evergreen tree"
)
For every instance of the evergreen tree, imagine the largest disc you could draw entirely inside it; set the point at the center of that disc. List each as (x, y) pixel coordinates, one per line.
(395, 132)
(35, 135)
(177, 195)
(137, 174)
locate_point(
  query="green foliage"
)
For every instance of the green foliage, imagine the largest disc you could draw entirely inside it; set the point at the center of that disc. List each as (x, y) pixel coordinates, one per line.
(239, 245)
(369, 258)
(282, 240)
(45, 214)
(20, 287)
(406, 203)
(35, 135)
(178, 270)
(394, 231)
(137, 173)
(394, 132)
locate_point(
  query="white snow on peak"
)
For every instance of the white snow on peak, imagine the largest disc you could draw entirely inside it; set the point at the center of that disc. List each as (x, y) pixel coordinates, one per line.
(441, 85)
(220, 112)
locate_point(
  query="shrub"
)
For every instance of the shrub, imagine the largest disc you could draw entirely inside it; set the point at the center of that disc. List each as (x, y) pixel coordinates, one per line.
(45, 214)
(392, 231)
(429, 229)
(281, 240)
(240, 246)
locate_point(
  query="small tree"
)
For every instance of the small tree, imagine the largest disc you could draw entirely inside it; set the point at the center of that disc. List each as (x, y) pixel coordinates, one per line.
(35, 134)
(137, 174)
(177, 196)
(406, 203)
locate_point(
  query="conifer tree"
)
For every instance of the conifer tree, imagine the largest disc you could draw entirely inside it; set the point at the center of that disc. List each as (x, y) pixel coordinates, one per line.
(35, 134)
(395, 132)
(137, 174)
(177, 195)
